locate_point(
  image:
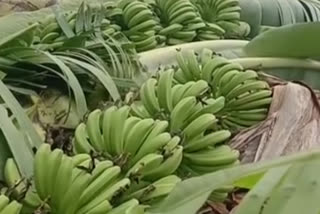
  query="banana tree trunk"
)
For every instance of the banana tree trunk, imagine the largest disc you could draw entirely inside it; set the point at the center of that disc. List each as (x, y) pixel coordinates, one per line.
(293, 124)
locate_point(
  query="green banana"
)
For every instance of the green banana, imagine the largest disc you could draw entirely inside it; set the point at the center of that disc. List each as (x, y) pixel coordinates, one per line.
(250, 97)
(93, 130)
(164, 90)
(53, 165)
(184, 66)
(181, 112)
(207, 140)
(237, 80)
(106, 128)
(103, 207)
(101, 182)
(246, 87)
(125, 206)
(171, 29)
(145, 164)
(118, 122)
(12, 208)
(206, 157)
(4, 201)
(63, 180)
(148, 96)
(138, 109)
(140, 17)
(193, 64)
(13, 178)
(152, 145)
(199, 125)
(137, 136)
(80, 141)
(40, 170)
(197, 89)
(71, 198)
(169, 165)
(211, 66)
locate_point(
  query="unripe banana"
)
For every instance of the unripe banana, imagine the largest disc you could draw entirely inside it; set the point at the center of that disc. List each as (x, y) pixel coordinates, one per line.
(80, 142)
(199, 125)
(12, 208)
(181, 112)
(106, 128)
(137, 136)
(184, 66)
(125, 206)
(138, 109)
(40, 170)
(13, 178)
(99, 183)
(145, 164)
(118, 122)
(169, 165)
(210, 67)
(152, 145)
(164, 90)
(148, 96)
(207, 140)
(93, 129)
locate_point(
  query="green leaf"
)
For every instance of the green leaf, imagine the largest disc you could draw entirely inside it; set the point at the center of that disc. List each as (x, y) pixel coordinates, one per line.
(255, 199)
(100, 73)
(78, 93)
(189, 195)
(298, 40)
(64, 25)
(23, 121)
(4, 153)
(22, 154)
(17, 34)
(250, 181)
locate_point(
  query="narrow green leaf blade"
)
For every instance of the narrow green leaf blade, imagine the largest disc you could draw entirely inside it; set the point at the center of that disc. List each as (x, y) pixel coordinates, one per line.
(74, 84)
(16, 141)
(101, 75)
(24, 122)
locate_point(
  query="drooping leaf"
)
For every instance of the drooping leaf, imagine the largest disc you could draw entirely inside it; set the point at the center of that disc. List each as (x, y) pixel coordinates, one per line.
(4, 153)
(298, 40)
(195, 191)
(23, 121)
(100, 74)
(19, 148)
(254, 200)
(78, 93)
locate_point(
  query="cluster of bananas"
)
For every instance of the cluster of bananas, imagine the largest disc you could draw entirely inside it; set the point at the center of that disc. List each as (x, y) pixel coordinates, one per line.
(139, 24)
(191, 115)
(224, 13)
(180, 20)
(246, 97)
(78, 185)
(50, 35)
(9, 207)
(142, 147)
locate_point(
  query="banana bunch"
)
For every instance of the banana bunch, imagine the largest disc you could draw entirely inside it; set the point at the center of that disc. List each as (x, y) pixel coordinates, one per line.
(211, 31)
(142, 147)
(79, 184)
(51, 36)
(225, 13)
(241, 32)
(180, 20)
(140, 24)
(246, 97)
(9, 207)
